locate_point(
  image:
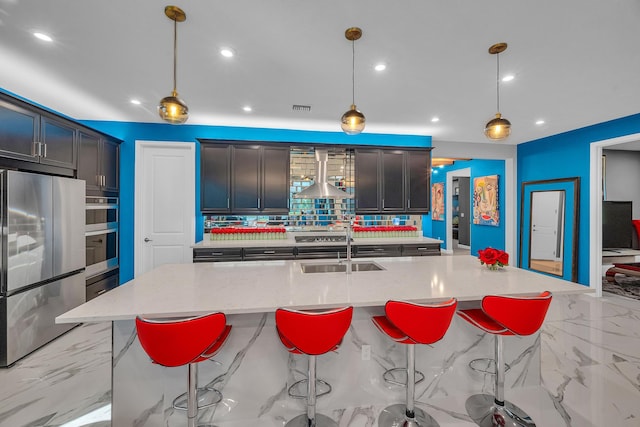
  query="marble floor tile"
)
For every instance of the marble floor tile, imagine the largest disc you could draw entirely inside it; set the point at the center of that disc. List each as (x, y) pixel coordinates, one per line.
(61, 381)
(590, 366)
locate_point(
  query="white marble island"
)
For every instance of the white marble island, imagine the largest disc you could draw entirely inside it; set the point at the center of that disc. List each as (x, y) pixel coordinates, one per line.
(254, 369)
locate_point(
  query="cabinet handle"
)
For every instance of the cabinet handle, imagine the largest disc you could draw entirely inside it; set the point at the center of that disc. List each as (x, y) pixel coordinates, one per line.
(227, 203)
(382, 203)
(217, 253)
(36, 149)
(45, 150)
(421, 249)
(101, 292)
(269, 252)
(258, 202)
(379, 249)
(409, 204)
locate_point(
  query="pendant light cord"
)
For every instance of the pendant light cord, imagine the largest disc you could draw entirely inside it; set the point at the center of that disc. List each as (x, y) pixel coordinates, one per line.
(353, 72)
(498, 82)
(175, 52)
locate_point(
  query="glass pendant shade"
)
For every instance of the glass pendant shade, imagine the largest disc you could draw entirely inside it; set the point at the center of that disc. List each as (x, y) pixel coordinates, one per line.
(173, 109)
(353, 121)
(497, 128)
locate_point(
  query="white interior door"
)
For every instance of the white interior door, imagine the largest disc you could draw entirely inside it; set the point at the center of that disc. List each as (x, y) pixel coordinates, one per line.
(165, 204)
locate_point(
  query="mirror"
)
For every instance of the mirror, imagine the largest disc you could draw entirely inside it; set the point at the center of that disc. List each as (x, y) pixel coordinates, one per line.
(549, 227)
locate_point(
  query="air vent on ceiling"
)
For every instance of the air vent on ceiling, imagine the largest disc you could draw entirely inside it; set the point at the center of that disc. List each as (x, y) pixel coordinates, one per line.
(298, 107)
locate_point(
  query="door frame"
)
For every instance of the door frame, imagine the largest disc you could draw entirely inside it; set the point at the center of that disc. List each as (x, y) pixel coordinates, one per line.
(140, 147)
(465, 173)
(595, 207)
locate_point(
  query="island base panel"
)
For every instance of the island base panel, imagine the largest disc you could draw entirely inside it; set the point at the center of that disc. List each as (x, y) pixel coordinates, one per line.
(253, 371)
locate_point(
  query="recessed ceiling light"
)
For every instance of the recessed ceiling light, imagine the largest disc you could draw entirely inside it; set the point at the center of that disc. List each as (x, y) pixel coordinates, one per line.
(227, 52)
(247, 109)
(435, 119)
(380, 67)
(508, 78)
(43, 37)
(540, 122)
(135, 102)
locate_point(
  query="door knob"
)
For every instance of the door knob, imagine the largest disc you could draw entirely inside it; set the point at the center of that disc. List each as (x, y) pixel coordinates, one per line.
(147, 240)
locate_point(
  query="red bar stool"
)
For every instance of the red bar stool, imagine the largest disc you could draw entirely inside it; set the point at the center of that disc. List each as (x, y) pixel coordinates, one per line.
(409, 323)
(312, 333)
(500, 316)
(186, 341)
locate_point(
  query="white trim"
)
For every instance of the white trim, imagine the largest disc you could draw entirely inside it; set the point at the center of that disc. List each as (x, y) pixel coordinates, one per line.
(139, 148)
(448, 208)
(595, 207)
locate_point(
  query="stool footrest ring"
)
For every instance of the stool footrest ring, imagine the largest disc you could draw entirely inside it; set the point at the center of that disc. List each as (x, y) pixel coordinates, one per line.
(389, 376)
(486, 365)
(206, 398)
(322, 388)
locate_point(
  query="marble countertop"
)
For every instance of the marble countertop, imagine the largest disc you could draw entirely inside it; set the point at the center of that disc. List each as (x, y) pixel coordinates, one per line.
(290, 241)
(174, 290)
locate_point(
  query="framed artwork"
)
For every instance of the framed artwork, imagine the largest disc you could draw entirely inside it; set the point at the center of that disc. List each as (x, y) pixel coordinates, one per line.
(485, 201)
(437, 201)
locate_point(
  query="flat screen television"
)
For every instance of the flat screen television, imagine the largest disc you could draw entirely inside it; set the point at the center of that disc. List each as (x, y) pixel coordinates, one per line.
(617, 230)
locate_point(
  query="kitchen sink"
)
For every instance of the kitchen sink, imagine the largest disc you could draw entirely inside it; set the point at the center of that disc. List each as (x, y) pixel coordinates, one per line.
(340, 267)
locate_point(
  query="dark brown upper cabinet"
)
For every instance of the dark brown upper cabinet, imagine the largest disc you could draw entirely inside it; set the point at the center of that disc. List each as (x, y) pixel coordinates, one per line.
(244, 179)
(99, 163)
(32, 135)
(390, 181)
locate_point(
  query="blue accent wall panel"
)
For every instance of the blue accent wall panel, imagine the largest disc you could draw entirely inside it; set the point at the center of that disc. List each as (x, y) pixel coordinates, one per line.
(130, 132)
(567, 155)
(482, 236)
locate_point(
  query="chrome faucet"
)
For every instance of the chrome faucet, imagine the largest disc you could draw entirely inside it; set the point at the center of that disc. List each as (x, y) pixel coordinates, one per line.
(348, 261)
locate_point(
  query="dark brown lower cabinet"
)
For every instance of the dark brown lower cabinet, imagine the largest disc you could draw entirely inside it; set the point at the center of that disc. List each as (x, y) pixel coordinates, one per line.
(102, 283)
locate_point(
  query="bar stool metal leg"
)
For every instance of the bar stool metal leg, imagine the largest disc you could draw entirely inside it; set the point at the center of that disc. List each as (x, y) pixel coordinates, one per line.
(192, 406)
(205, 397)
(311, 418)
(406, 414)
(490, 411)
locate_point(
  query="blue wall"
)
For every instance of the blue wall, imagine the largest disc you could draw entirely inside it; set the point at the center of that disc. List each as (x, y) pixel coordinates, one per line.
(567, 155)
(130, 132)
(482, 236)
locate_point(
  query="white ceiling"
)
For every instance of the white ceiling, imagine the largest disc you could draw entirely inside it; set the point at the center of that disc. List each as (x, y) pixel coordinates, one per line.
(576, 62)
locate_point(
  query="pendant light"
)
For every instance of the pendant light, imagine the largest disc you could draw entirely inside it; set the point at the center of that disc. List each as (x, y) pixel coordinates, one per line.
(353, 120)
(497, 128)
(171, 108)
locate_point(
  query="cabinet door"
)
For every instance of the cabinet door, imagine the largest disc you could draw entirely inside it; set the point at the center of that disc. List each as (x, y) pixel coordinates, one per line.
(418, 166)
(393, 192)
(367, 188)
(215, 184)
(275, 180)
(19, 128)
(245, 182)
(88, 163)
(110, 165)
(59, 141)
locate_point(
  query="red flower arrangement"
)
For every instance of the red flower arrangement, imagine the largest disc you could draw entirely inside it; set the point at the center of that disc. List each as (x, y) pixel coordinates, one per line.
(493, 258)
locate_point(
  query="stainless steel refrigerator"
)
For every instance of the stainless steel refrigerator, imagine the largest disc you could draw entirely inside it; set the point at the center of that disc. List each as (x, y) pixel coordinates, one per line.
(42, 258)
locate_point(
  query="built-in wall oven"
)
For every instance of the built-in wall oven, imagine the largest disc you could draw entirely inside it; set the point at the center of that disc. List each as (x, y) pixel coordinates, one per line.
(101, 235)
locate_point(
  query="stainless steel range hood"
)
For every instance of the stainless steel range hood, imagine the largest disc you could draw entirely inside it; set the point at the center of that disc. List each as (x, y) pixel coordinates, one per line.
(321, 189)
